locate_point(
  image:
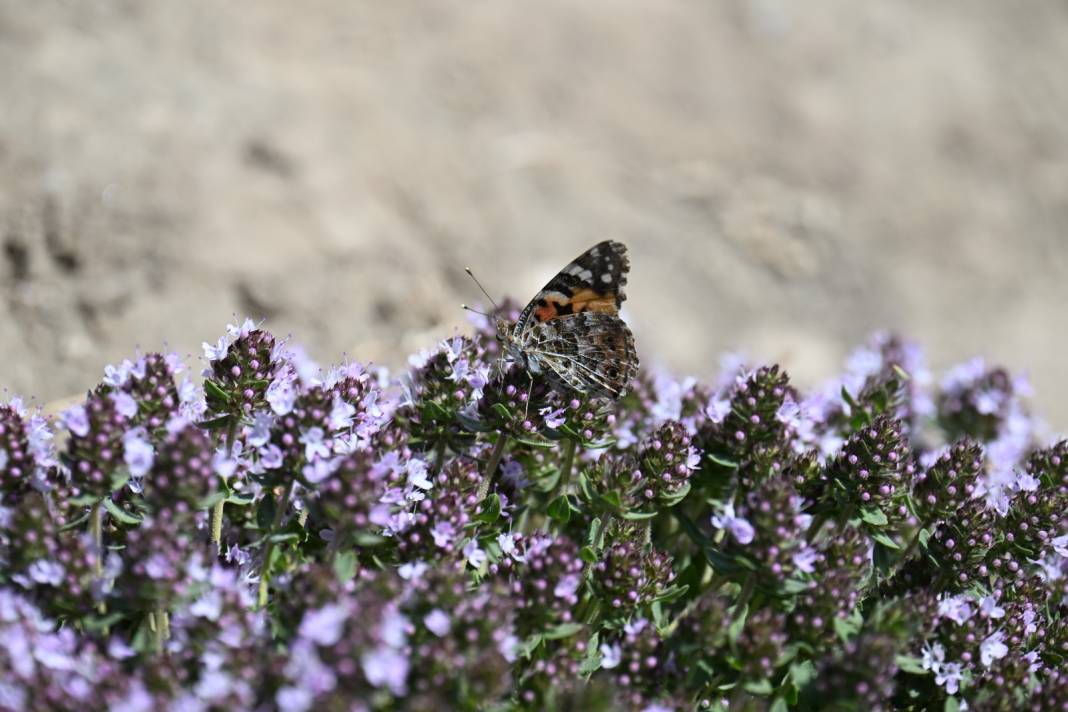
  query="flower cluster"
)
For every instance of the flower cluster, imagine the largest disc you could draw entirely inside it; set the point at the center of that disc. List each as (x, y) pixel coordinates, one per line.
(465, 535)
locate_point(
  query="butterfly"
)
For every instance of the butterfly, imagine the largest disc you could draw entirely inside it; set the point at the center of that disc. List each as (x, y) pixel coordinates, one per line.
(571, 334)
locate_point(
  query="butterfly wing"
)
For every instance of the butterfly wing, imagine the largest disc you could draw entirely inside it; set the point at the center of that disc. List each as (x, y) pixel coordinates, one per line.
(590, 352)
(572, 327)
(593, 281)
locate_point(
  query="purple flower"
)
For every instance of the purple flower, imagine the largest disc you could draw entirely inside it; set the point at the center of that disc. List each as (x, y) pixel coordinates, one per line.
(319, 470)
(949, 677)
(224, 465)
(805, 559)
(386, 667)
(325, 625)
(956, 608)
(738, 527)
(611, 655)
(989, 608)
(718, 409)
(418, 474)
(294, 699)
(217, 351)
(259, 433)
(474, 555)
(933, 657)
(341, 414)
(271, 457)
(125, 405)
(993, 648)
(76, 420)
(138, 452)
(443, 534)
(314, 447)
(281, 394)
(437, 622)
(46, 572)
(553, 418)
(567, 586)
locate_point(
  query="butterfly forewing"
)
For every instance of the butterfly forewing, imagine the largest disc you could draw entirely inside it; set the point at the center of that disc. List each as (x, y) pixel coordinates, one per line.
(572, 330)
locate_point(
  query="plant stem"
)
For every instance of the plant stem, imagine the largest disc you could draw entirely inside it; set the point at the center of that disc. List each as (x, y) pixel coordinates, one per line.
(491, 467)
(268, 549)
(565, 467)
(217, 512)
(96, 530)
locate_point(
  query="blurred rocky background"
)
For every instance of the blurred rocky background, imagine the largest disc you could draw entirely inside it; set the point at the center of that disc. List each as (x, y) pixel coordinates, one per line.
(789, 176)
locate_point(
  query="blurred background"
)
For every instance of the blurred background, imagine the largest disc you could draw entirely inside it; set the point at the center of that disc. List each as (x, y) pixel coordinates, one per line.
(789, 176)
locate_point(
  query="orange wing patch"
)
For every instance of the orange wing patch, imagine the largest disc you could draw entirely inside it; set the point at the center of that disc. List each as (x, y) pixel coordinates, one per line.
(554, 305)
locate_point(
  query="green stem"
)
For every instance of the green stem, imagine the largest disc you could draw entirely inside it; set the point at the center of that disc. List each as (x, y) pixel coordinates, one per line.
(96, 530)
(491, 467)
(907, 553)
(268, 549)
(565, 467)
(217, 511)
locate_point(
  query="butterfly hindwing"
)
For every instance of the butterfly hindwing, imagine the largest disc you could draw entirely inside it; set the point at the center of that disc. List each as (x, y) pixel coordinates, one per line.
(589, 352)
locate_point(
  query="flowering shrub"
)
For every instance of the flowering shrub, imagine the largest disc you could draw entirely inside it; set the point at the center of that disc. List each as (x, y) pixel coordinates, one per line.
(463, 538)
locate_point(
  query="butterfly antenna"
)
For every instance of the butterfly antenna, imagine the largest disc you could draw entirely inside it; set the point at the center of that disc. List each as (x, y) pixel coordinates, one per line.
(472, 276)
(476, 311)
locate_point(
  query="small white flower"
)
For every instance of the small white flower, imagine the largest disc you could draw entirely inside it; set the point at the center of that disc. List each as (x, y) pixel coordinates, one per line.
(475, 556)
(989, 608)
(949, 677)
(956, 608)
(993, 648)
(739, 527)
(933, 657)
(611, 655)
(437, 622)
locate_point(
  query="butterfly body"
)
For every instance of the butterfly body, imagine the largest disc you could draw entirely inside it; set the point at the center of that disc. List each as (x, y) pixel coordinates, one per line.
(571, 333)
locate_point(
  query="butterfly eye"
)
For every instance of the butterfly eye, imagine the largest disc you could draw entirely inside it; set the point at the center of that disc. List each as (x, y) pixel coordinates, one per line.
(500, 339)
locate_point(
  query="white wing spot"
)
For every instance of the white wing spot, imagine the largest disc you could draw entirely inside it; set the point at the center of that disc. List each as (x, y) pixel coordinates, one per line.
(586, 275)
(606, 277)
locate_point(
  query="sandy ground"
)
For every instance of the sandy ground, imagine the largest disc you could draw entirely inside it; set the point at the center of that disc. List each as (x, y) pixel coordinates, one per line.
(789, 176)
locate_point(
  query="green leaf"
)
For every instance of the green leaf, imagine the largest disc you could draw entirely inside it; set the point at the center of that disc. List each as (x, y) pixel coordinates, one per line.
(473, 424)
(722, 461)
(560, 509)
(848, 398)
(901, 373)
(76, 523)
(592, 662)
(671, 593)
(239, 500)
(673, 499)
(587, 554)
(535, 443)
(120, 514)
(779, 705)
(491, 509)
(219, 423)
(211, 500)
(564, 630)
(502, 411)
(612, 499)
(265, 512)
(639, 516)
(345, 566)
(761, 688)
(910, 664)
(885, 540)
(952, 705)
(282, 537)
(737, 625)
(214, 392)
(367, 539)
(873, 516)
(528, 646)
(802, 673)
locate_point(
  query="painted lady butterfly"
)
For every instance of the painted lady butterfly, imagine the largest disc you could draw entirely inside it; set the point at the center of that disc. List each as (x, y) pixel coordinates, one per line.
(571, 332)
